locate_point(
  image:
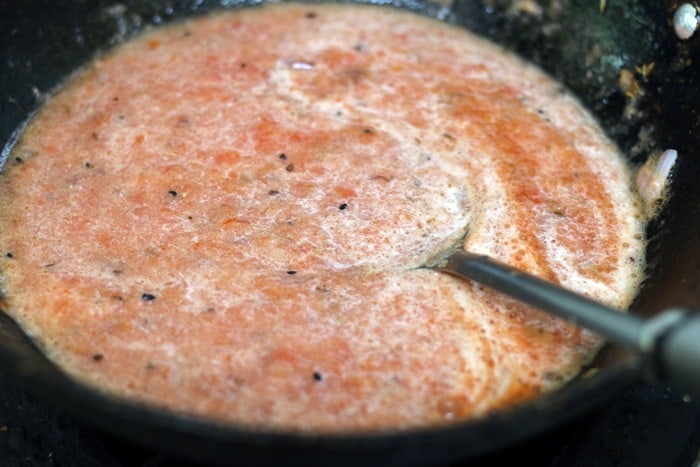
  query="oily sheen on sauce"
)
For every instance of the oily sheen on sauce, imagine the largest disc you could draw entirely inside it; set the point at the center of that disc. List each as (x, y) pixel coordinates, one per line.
(226, 218)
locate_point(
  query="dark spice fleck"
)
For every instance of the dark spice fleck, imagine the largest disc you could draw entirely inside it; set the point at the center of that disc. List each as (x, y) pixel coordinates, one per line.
(310, 14)
(243, 65)
(19, 160)
(88, 165)
(115, 98)
(239, 380)
(187, 33)
(367, 131)
(273, 192)
(98, 357)
(289, 168)
(343, 206)
(172, 193)
(9, 255)
(148, 297)
(94, 135)
(318, 377)
(291, 273)
(150, 366)
(283, 156)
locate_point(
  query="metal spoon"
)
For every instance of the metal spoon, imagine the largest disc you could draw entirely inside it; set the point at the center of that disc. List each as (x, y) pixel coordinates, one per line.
(669, 343)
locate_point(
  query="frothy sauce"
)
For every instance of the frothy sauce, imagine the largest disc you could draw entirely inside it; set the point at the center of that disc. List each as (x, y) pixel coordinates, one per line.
(227, 218)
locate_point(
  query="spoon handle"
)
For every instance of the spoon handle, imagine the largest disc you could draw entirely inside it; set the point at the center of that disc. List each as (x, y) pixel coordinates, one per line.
(618, 327)
(669, 342)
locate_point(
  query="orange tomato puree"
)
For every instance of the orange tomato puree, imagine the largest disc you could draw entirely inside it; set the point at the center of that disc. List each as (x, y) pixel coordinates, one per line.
(227, 218)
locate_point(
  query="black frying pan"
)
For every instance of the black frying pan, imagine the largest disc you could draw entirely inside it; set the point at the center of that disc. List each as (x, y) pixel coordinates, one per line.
(42, 41)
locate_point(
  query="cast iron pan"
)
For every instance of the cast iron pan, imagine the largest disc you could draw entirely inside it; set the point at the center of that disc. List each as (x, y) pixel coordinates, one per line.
(42, 41)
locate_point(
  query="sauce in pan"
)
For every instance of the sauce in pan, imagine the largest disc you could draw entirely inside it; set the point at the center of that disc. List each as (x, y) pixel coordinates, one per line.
(227, 218)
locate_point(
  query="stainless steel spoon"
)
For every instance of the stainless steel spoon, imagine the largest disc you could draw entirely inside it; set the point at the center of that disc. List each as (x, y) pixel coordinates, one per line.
(669, 343)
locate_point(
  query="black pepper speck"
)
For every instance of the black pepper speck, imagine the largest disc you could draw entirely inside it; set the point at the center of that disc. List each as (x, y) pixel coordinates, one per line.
(148, 297)
(289, 168)
(291, 273)
(283, 156)
(9, 255)
(343, 206)
(318, 377)
(98, 357)
(172, 193)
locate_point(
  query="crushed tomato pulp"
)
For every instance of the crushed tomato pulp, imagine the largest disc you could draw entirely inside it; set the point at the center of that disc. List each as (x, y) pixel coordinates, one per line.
(226, 218)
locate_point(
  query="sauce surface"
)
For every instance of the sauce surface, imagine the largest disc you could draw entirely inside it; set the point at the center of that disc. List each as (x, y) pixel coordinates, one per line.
(227, 218)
